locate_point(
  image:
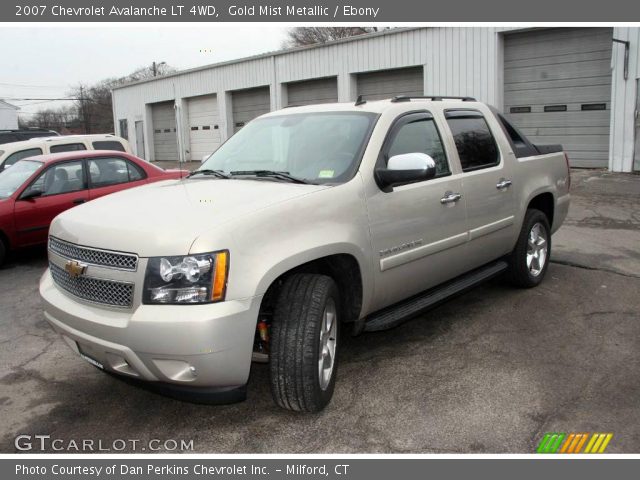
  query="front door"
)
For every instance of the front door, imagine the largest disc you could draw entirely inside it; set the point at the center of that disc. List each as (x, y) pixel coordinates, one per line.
(140, 139)
(418, 230)
(636, 155)
(62, 186)
(488, 186)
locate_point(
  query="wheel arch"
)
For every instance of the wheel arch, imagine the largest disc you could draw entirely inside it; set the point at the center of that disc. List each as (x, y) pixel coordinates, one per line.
(344, 268)
(545, 202)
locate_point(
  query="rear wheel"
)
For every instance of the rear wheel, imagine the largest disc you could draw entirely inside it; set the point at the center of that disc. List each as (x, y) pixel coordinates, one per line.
(304, 343)
(3, 251)
(530, 258)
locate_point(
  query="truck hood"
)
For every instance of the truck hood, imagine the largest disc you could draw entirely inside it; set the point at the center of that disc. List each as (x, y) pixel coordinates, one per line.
(165, 218)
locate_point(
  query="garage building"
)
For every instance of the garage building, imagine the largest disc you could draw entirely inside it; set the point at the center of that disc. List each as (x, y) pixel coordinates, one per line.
(574, 86)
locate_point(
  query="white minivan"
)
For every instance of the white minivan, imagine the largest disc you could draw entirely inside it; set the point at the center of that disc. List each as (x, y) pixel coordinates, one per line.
(10, 153)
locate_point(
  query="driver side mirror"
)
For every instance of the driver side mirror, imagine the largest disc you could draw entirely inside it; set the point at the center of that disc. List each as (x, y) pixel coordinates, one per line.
(406, 168)
(31, 194)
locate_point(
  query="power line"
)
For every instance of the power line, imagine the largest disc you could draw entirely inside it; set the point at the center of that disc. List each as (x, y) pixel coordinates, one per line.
(32, 86)
(40, 99)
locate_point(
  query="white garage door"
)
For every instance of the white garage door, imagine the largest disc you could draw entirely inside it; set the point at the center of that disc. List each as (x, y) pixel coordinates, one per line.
(309, 92)
(165, 140)
(390, 83)
(204, 128)
(557, 86)
(249, 104)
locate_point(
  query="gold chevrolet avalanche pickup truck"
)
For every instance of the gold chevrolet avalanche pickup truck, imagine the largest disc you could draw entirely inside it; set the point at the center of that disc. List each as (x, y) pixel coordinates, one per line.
(310, 223)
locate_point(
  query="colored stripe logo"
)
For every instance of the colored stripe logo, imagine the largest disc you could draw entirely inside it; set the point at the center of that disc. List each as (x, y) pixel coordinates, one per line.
(574, 442)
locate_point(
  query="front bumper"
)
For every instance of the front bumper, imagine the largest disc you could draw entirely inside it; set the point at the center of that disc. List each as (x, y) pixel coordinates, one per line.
(204, 347)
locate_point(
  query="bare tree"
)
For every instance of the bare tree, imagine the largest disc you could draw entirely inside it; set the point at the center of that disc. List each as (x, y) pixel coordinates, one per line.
(301, 36)
(92, 110)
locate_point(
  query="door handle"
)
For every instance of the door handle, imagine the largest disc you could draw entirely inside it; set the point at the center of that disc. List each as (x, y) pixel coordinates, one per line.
(503, 183)
(79, 201)
(450, 197)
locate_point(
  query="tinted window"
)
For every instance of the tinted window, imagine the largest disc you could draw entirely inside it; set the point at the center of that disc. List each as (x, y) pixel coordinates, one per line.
(67, 147)
(420, 136)
(108, 145)
(60, 178)
(8, 138)
(14, 157)
(112, 171)
(474, 142)
(135, 172)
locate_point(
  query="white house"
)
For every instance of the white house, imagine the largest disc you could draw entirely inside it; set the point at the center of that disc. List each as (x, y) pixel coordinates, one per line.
(8, 116)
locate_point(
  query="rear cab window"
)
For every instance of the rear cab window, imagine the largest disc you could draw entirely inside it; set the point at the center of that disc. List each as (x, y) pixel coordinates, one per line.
(475, 143)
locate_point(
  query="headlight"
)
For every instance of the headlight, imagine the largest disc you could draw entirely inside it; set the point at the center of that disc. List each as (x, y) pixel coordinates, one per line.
(186, 279)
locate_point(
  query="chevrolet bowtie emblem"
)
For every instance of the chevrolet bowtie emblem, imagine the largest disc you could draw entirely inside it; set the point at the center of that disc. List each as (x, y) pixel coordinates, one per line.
(74, 268)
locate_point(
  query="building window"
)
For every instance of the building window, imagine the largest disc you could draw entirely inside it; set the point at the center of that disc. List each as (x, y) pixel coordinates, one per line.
(555, 108)
(594, 106)
(520, 110)
(124, 129)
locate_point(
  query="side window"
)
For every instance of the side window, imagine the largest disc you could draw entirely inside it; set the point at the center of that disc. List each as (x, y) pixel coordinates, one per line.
(421, 136)
(14, 157)
(135, 172)
(475, 144)
(60, 178)
(108, 145)
(109, 171)
(67, 147)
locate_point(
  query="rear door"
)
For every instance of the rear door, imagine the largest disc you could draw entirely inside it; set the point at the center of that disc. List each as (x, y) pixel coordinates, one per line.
(419, 240)
(487, 181)
(63, 186)
(112, 174)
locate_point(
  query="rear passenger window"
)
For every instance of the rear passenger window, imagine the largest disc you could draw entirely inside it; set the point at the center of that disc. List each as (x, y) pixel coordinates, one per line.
(421, 136)
(108, 145)
(67, 147)
(112, 171)
(475, 144)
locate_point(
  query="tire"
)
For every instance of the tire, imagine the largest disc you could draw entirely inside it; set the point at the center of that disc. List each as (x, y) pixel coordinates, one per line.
(3, 251)
(529, 260)
(304, 303)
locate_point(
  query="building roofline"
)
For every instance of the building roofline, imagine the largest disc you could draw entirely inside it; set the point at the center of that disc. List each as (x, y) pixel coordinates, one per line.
(9, 104)
(275, 53)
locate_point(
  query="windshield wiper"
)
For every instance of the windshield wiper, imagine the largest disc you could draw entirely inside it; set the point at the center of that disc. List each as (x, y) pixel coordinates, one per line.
(272, 174)
(215, 173)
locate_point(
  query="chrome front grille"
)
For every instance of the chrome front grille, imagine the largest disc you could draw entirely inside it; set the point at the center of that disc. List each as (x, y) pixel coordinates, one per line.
(94, 256)
(107, 292)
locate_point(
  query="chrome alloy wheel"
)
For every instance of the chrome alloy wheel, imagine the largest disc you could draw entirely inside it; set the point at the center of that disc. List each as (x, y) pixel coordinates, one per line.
(537, 249)
(327, 352)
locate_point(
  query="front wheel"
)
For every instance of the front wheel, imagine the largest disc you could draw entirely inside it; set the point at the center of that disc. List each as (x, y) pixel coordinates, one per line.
(530, 258)
(304, 343)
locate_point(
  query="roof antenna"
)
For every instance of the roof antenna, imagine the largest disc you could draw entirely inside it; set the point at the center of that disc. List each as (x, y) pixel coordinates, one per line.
(360, 101)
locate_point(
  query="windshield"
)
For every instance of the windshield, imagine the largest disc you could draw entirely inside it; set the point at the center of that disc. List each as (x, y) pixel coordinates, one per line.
(321, 147)
(12, 178)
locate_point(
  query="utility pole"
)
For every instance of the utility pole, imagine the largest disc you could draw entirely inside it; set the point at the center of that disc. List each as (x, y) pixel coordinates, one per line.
(83, 110)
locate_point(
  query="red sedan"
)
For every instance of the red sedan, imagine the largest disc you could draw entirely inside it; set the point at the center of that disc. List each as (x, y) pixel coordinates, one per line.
(34, 190)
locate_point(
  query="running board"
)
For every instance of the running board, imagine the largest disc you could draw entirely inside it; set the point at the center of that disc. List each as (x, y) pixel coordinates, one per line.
(396, 314)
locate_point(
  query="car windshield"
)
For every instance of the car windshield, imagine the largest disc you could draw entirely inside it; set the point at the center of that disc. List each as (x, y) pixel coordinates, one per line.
(319, 147)
(14, 176)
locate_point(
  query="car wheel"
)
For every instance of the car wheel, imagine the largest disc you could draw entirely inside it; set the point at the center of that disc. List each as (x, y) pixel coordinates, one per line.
(3, 251)
(530, 258)
(304, 343)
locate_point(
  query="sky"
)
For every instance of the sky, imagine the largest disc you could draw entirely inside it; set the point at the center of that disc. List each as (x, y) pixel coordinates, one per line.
(45, 62)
